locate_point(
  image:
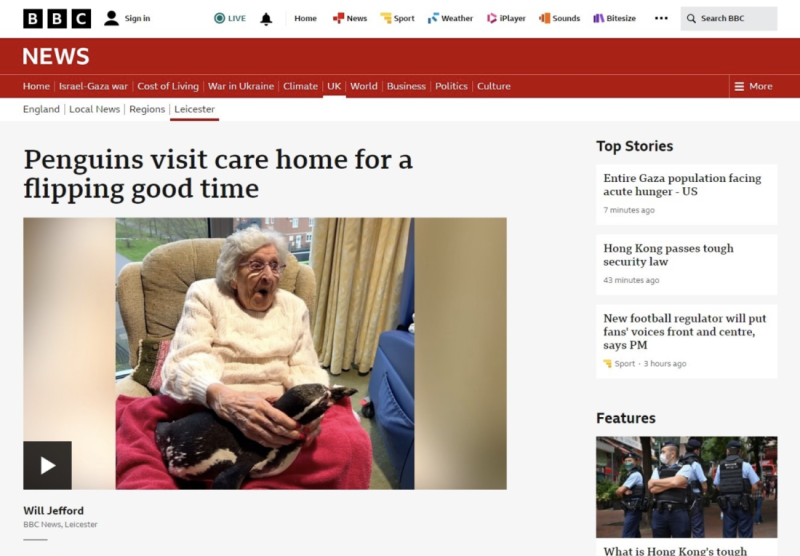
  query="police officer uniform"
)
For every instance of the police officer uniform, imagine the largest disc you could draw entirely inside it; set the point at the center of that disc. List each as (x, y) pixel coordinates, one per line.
(696, 484)
(671, 507)
(734, 481)
(634, 503)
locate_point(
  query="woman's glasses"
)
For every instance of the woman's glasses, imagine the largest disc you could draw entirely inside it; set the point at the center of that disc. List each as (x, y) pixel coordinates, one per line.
(259, 266)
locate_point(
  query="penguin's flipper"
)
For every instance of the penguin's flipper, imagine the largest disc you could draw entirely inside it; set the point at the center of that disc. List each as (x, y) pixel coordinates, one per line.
(233, 477)
(162, 433)
(162, 439)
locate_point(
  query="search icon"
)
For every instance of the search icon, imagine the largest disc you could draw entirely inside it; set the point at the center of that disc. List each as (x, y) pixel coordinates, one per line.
(691, 18)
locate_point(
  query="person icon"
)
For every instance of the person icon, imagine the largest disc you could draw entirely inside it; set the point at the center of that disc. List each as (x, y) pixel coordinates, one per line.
(111, 22)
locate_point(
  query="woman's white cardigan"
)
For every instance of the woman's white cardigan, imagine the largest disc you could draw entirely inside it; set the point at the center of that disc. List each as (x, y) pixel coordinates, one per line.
(217, 341)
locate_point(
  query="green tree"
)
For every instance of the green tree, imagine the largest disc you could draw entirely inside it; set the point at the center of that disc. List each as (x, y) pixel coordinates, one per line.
(757, 446)
(753, 448)
(714, 447)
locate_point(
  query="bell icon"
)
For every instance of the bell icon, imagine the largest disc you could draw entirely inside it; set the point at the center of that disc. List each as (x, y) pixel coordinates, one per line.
(266, 20)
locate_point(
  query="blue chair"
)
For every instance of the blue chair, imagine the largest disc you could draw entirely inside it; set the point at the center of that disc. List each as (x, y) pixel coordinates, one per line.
(391, 389)
(391, 386)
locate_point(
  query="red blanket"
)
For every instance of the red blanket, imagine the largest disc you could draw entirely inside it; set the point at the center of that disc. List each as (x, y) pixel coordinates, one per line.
(339, 458)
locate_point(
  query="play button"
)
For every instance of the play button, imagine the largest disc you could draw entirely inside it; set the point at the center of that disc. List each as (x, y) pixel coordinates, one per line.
(47, 465)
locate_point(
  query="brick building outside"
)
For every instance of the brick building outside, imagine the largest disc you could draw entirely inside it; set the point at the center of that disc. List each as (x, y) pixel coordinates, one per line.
(297, 231)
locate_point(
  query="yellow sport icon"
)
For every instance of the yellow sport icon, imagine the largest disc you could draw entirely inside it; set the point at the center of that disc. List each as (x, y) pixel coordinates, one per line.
(607, 362)
(387, 16)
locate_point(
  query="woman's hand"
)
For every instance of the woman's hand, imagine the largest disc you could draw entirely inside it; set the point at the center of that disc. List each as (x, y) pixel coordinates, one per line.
(254, 415)
(312, 431)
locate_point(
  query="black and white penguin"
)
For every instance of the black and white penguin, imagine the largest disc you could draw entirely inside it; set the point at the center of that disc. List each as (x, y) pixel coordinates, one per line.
(203, 446)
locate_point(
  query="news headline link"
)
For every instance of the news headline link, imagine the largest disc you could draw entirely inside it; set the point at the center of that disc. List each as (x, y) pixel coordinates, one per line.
(38, 187)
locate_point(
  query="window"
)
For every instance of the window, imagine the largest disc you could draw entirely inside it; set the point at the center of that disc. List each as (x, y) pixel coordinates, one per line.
(136, 237)
(242, 223)
(293, 229)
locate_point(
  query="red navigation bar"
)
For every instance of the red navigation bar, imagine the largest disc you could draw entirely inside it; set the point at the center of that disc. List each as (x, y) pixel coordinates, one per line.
(409, 86)
(468, 68)
(765, 86)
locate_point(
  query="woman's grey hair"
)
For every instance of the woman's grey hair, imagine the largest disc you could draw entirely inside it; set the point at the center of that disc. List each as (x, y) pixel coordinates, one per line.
(242, 244)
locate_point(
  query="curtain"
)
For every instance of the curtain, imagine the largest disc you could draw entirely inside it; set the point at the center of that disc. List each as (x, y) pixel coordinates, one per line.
(358, 264)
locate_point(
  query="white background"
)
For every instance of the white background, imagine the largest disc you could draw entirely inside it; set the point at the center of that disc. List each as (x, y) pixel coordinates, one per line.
(174, 19)
(531, 161)
(749, 267)
(539, 175)
(718, 357)
(726, 202)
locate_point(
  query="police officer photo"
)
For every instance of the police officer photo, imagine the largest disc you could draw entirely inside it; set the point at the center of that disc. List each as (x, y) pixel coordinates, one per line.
(736, 482)
(697, 482)
(660, 486)
(632, 494)
(669, 486)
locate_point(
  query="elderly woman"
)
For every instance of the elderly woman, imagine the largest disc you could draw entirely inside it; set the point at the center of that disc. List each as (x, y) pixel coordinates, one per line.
(240, 344)
(242, 341)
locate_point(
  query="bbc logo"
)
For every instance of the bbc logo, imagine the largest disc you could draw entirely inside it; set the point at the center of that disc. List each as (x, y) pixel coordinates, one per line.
(56, 19)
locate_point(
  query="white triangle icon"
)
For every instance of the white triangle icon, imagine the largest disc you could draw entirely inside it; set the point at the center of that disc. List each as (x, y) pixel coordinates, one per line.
(47, 466)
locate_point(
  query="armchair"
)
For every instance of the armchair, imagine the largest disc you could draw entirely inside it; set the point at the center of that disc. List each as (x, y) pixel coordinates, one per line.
(151, 293)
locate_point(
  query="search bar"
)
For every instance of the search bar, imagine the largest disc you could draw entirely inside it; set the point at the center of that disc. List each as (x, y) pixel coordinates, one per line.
(729, 19)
